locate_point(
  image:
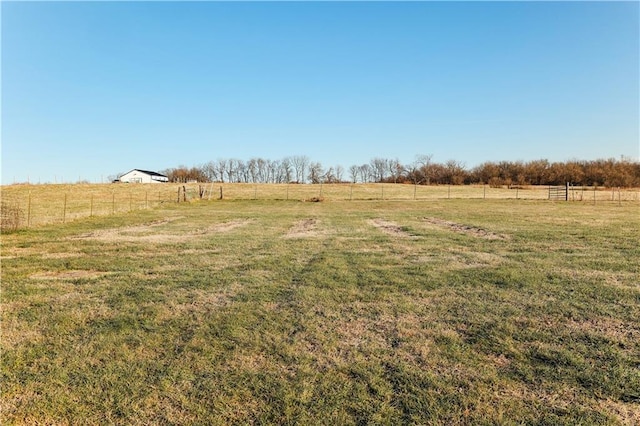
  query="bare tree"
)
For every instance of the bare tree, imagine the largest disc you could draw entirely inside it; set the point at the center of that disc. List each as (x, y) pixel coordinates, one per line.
(300, 164)
(339, 172)
(242, 174)
(231, 169)
(315, 172)
(455, 172)
(354, 171)
(365, 173)
(272, 168)
(379, 168)
(222, 169)
(395, 168)
(285, 170)
(424, 162)
(209, 170)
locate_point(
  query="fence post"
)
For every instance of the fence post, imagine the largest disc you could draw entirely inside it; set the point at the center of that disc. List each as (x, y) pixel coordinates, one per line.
(220, 192)
(64, 209)
(619, 198)
(29, 211)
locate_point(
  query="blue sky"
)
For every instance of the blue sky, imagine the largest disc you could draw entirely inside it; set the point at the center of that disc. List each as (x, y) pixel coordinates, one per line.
(90, 89)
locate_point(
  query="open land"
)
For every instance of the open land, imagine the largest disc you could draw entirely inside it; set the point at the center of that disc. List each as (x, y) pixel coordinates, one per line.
(439, 311)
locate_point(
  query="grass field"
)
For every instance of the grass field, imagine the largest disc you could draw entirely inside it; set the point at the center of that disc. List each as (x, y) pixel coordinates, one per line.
(44, 204)
(460, 311)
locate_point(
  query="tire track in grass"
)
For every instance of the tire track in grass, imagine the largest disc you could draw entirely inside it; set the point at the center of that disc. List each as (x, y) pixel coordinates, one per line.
(390, 228)
(465, 229)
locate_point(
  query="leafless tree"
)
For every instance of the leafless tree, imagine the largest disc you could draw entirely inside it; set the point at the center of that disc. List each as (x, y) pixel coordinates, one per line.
(300, 164)
(365, 173)
(354, 171)
(339, 172)
(424, 162)
(379, 168)
(285, 170)
(315, 172)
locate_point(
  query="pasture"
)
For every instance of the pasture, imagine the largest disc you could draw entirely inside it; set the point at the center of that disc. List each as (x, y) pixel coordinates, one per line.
(35, 205)
(434, 311)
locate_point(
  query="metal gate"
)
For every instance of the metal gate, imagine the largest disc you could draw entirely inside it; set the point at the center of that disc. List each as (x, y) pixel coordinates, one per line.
(559, 192)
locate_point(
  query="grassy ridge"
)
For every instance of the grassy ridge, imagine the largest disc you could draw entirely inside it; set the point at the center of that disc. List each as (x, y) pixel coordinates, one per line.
(439, 312)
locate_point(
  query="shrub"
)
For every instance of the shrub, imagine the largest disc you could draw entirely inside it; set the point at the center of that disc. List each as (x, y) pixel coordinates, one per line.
(12, 217)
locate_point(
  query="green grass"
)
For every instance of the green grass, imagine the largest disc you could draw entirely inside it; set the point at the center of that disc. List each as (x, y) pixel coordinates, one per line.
(363, 312)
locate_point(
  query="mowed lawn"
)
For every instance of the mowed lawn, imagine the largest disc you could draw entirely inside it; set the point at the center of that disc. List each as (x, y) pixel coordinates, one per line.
(288, 312)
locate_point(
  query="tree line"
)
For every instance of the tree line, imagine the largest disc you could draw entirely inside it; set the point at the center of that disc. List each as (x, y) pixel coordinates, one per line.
(422, 171)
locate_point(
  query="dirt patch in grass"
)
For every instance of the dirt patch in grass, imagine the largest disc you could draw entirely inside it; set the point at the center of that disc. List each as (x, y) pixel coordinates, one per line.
(68, 275)
(390, 228)
(465, 229)
(147, 233)
(304, 228)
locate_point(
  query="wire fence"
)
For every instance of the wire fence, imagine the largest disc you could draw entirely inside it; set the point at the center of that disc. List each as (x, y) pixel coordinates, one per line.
(33, 205)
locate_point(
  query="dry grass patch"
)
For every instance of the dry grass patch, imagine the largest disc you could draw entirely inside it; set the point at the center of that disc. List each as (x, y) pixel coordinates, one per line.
(147, 233)
(465, 229)
(197, 302)
(462, 259)
(68, 275)
(614, 329)
(227, 226)
(627, 414)
(390, 228)
(617, 279)
(304, 228)
(62, 255)
(17, 252)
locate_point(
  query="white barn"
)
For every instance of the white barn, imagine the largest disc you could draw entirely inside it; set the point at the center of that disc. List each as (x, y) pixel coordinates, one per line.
(143, 176)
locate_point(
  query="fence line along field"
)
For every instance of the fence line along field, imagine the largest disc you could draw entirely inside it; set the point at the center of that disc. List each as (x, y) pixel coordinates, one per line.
(461, 311)
(33, 205)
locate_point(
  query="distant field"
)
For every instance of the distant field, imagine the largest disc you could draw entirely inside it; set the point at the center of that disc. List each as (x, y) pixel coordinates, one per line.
(41, 204)
(461, 311)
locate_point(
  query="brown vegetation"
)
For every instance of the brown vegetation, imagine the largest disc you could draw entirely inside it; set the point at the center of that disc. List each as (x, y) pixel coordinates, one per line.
(12, 217)
(603, 172)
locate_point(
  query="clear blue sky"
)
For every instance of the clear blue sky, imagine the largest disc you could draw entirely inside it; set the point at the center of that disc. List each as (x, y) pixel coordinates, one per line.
(93, 89)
